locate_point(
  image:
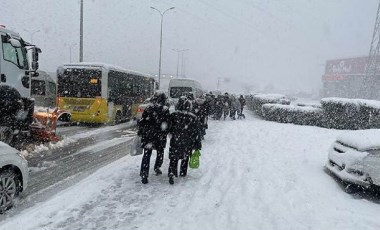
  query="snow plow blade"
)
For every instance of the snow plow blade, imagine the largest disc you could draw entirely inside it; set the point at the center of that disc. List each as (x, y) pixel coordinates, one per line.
(44, 125)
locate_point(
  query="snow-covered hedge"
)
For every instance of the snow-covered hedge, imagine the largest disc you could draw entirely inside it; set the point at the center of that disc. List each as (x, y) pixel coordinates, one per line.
(337, 113)
(342, 113)
(301, 115)
(255, 102)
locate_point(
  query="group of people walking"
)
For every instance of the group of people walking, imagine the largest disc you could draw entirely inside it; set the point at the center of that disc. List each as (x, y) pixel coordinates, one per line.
(187, 127)
(222, 106)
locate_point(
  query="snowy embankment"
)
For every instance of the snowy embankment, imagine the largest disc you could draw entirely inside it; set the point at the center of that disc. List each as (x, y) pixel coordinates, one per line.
(254, 174)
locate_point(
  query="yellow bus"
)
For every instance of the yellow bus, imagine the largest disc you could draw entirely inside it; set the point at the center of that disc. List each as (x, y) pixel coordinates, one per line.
(101, 93)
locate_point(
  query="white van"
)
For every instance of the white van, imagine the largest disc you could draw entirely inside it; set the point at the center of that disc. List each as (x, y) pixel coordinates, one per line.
(181, 86)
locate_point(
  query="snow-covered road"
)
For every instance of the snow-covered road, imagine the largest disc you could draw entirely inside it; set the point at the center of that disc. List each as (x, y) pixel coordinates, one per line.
(254, 174)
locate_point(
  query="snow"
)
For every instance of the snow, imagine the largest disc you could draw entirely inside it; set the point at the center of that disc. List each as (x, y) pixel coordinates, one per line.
(357, 102)
(293, 107)
(270, 96)
(254, 174)
(361, 139)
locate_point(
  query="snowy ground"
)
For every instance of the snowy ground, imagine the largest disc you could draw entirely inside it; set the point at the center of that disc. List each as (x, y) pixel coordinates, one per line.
(254, 175)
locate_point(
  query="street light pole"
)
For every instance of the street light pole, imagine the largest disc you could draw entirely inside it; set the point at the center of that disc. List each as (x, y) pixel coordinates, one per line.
(31, 33)
(81, 33)
(179, 52)
(162, 20)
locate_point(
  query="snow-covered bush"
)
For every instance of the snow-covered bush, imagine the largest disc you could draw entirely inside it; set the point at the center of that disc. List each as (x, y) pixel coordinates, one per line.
(257, 101)
(342, 113)
(301, 115)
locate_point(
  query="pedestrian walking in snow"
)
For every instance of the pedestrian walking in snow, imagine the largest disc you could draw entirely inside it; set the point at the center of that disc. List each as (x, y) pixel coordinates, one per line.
(185, 137)
(219, 106)
(234, 107)
(201, 111)
(226, 105)
(242, 104)
(153, 129)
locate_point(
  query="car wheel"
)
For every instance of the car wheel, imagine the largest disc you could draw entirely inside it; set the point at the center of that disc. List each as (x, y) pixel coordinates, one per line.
(6, 134)
(9, 189)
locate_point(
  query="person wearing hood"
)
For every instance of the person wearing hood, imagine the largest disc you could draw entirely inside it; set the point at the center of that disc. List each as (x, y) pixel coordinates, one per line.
(185, 137)
(153, 128)
(235, 107)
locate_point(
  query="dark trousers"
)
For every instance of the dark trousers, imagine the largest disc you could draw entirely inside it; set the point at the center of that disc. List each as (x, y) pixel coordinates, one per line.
(144, 171)
(175, 157)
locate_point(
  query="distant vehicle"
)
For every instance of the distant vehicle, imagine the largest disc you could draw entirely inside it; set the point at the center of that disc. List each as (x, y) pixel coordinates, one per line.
(182, 86)
(101, 93)
(141, 108)
(13, 175)
(44, 90)
(355, 157)
(146, 103)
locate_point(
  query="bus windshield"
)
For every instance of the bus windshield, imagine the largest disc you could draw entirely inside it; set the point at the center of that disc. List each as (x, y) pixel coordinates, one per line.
(80, 83)
(176, 92)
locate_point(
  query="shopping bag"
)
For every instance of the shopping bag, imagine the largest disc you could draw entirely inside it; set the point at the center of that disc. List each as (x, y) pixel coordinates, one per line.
(135, 147)
(194, 159)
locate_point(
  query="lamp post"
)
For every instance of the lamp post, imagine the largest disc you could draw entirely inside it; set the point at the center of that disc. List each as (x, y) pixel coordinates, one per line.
(162, 19)
(31, 33)
(81, 33)
(178, 54)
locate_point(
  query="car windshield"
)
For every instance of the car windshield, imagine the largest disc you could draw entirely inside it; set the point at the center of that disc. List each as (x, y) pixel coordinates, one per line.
(190, 114)
(176, 92)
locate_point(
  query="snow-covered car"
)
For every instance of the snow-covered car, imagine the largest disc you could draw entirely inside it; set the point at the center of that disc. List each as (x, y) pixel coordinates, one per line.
(141, 108)
(355, 157)
(13, 175)
(146, 103)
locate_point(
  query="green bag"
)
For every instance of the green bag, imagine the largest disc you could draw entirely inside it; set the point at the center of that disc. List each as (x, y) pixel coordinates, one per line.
(194, 159)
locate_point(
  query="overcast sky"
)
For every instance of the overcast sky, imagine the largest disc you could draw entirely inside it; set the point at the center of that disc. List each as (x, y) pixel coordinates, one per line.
(284, 43)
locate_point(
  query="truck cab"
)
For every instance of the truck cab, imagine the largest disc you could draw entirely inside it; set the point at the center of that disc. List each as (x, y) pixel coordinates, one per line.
(16, 105)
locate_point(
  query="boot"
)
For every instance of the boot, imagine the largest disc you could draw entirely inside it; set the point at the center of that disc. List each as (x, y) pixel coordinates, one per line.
(171, 180)
(158, 172)
(144, 180)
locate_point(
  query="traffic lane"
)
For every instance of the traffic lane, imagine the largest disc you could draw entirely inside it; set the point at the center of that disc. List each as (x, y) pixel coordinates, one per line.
(79, 162)
(74, 145)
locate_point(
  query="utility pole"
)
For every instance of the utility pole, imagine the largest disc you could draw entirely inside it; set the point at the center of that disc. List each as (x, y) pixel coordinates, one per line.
(162, 21)
(81, 33)
(178, 55)
(372, 82)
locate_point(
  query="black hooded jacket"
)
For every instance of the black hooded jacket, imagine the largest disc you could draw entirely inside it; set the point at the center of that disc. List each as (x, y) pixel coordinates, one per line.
(185, 131)
(154, 126)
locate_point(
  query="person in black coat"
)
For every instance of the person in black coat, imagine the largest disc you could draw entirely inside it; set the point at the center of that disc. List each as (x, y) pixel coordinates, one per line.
(185, 137)
(201, 110)
(219, 105)
(242, 103)
(153, 129)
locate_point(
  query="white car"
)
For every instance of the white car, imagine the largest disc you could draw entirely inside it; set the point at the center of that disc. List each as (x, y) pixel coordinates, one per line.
(13, 175)
(141, 108)
(355, 157)
(146, 103)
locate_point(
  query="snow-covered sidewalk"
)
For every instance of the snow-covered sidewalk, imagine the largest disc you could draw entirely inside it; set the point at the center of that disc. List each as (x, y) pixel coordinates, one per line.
(254, 174)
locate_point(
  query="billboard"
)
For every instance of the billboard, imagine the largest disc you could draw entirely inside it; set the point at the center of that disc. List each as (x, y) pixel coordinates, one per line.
(340, 69)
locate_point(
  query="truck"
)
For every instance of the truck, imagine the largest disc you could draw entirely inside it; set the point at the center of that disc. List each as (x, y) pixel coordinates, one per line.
(16, 71)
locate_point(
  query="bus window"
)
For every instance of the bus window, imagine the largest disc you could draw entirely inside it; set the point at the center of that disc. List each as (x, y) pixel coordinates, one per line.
(80, 83)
